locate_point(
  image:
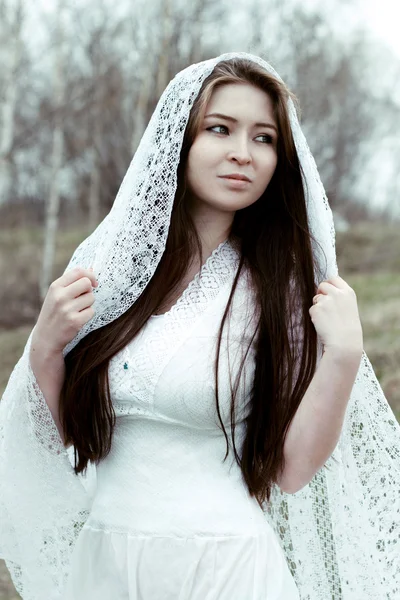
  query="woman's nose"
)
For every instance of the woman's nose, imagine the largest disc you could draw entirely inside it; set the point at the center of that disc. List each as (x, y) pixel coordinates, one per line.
(240, 153)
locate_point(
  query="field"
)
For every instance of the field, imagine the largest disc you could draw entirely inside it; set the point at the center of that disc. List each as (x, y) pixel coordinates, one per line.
(368, 259)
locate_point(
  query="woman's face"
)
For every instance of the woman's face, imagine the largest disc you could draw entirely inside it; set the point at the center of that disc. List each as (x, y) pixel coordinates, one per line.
(238, 136)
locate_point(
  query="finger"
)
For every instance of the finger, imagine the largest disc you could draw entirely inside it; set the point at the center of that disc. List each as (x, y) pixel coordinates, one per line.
(326, 288)
(83, 301)
(75, 274)
(317, 298)
(338, 282)
(86, 314)
(79, 287)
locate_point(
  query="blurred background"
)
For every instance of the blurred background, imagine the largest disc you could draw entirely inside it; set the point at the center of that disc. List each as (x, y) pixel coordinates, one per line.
(79, 80)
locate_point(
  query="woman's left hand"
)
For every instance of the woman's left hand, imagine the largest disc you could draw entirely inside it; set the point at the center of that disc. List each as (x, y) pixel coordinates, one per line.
(335, 317)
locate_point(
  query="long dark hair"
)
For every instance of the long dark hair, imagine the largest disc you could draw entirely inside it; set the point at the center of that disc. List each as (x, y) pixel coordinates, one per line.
(276, 247)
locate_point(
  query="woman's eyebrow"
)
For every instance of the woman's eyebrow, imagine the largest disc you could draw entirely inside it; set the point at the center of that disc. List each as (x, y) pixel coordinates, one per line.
(227, 118)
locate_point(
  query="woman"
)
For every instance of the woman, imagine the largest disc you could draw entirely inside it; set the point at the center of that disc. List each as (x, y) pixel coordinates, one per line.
(188, 376)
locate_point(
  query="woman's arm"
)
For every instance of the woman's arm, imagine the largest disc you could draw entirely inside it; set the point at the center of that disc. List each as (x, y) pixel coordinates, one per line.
(315, 429)
(49, 370)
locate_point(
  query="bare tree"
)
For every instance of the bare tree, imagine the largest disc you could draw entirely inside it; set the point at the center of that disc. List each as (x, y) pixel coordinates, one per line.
(123, 56)
(95, 117)
(12, 23)
(143, 98)
(165, 47)
(53, 202)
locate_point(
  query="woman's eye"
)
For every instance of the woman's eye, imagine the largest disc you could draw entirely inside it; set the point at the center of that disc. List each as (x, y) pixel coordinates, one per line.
(217, 127)
(269, 138)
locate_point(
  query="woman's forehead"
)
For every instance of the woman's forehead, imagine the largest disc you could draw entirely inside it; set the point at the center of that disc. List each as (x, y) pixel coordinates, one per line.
(241, 101)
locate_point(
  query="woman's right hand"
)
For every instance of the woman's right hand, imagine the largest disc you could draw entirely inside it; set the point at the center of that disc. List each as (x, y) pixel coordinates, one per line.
(66, 308)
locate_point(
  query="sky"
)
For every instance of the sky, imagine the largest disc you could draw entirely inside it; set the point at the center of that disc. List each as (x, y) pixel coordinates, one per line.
(383, 17)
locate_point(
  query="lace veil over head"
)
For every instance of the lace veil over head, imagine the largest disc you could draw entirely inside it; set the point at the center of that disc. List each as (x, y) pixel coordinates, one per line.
(340, 533)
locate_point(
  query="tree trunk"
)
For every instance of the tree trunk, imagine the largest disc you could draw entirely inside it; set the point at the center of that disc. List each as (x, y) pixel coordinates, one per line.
(53, 203)
(10, 72)
(140, 114)
(96, 125)
(165, 49)
(94, 192)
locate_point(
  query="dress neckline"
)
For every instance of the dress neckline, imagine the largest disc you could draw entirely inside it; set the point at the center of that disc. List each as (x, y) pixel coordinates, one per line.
(186, 291)
(164, 336)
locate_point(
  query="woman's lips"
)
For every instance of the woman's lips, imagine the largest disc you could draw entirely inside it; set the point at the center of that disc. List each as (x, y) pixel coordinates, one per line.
(237, 176)
(235, 183)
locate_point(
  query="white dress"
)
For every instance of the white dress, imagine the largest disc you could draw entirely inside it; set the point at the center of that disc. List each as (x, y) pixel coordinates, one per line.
(170, 520)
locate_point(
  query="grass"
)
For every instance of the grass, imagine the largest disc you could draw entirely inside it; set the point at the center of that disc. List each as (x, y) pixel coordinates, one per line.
(378, 302)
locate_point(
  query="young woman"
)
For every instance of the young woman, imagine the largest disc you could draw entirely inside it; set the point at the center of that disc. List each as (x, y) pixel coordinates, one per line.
(207, 367)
